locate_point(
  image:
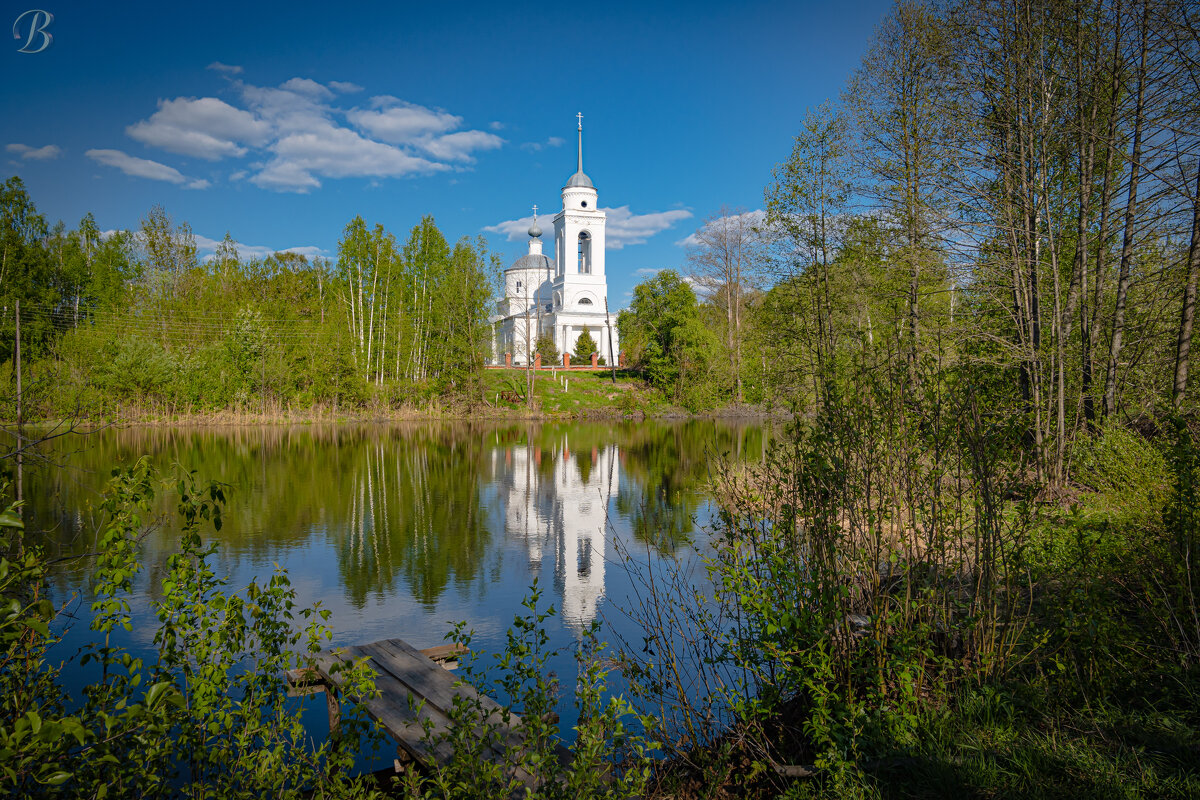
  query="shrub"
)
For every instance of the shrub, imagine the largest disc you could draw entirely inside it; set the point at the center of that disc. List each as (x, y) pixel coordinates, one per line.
(607, 760)
(209, 719)
(1120, 463)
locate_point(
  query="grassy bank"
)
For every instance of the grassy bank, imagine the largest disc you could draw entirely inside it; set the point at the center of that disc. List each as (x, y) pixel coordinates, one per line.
(558, 394)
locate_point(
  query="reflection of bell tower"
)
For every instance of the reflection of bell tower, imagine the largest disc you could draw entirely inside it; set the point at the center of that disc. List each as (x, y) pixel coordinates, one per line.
(581, 522)
(556, 513)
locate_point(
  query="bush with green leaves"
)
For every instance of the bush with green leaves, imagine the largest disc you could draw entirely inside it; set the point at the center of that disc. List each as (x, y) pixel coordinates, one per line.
(585, 345)
(547, 348)
(514, 751)
(209, 719)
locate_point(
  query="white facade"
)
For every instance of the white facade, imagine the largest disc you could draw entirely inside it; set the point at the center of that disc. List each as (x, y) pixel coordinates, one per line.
(563, 294)
(562, 519)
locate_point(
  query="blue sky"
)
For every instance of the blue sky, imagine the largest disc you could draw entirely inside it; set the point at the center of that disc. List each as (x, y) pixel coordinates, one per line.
(279, 123)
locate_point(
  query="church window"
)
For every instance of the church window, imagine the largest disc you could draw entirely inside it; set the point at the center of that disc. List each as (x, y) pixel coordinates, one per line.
(585, 301)
(585, 253)
(518, 287)
(583, 203)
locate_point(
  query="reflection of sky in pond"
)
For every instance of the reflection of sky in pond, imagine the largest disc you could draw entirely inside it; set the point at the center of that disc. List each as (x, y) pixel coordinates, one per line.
(403, 530)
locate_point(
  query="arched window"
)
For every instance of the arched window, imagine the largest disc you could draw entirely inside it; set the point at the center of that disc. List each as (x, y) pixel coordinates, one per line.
(585, 301)
(585, 253)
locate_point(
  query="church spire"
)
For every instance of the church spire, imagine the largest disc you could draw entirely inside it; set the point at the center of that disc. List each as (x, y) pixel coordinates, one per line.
(579, 179)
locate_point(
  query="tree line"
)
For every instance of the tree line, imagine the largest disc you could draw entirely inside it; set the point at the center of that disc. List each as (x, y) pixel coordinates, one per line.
(974, 280)
(134, 321)
(1016, 187)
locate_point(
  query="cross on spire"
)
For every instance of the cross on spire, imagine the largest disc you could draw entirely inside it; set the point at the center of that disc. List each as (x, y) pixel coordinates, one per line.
(535, 212)
(580, 116)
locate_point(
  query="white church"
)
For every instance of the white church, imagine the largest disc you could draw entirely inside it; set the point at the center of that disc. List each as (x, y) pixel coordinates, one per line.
(563, 294)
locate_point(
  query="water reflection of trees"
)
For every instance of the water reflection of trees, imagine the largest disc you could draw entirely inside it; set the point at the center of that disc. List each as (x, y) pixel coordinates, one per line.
(668, 471)
(413, 509)
(391, 501)
(399, 504)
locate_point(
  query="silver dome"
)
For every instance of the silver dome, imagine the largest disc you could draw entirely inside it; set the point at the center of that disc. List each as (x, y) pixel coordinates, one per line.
(579, 180)
(532, 261)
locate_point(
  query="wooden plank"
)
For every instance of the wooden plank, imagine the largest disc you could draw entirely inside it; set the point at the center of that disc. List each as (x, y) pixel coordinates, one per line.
(510, 735)
(513, 737)
(445, 652)
(391, 708)
(411, 687)
(304, 681)
(425, 677)
(437, 688)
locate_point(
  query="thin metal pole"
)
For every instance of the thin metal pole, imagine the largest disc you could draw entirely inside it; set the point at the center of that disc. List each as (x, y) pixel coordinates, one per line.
(18, 360)
(20, 441)
(612, 357)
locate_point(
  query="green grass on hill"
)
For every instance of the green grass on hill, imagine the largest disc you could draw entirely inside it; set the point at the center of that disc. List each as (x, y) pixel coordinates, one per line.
(567, 393)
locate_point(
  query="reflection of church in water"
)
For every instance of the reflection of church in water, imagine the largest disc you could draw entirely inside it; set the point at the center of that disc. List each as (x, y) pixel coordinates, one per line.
(556, 503)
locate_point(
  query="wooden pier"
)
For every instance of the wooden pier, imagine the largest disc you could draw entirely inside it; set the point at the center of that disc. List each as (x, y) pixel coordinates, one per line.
(413, 688)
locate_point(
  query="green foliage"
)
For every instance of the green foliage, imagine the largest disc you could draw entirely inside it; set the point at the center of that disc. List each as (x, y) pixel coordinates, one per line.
(663, 333)
(585, 345)
(546, 346)
(134, 368)
(1176, 603)
(1119, 462)
(606, 760)
(133, 323)
(209, 719)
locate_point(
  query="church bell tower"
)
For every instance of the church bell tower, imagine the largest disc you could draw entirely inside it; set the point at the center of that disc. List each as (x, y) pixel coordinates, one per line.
(579, 231)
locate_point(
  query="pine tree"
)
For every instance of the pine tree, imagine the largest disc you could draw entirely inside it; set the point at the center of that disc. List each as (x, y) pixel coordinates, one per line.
(545, 345)
(585, 345)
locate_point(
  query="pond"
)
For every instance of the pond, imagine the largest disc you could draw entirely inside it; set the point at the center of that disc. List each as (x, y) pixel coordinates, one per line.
(402, 530)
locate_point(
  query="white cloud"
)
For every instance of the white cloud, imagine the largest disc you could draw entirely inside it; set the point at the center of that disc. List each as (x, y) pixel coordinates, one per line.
(622, 227)
(496, 126)
(295, 135)
(336, 153)
(247, 251)
(458, 146)
(205, 128)
(534, 147)
(626, 228)
(755, 218)
(228, 69)
(398, 122)
(648, 271)
(28, 153)
(514, 230)
(308, 87)
(144, 168)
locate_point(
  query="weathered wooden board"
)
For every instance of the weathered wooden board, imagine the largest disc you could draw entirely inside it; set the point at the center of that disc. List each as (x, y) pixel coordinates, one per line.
(413, 691)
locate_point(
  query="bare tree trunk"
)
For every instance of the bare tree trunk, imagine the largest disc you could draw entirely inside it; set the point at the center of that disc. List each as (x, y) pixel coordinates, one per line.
(1135, 168)
(1188, 313)
(1091, 336)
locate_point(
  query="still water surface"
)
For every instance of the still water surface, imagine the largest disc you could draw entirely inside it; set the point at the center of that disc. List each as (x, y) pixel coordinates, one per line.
(400, 530)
